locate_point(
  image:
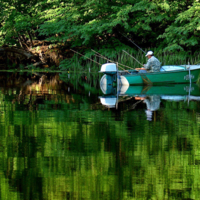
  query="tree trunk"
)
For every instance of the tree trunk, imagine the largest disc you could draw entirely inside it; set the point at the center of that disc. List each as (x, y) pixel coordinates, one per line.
(20, 42)
(30, 38)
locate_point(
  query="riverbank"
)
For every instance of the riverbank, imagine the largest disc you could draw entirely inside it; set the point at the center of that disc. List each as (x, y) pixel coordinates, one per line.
(48, 57)
(41, 55)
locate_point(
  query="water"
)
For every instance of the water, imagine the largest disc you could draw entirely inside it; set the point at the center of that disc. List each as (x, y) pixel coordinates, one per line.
(59, 142)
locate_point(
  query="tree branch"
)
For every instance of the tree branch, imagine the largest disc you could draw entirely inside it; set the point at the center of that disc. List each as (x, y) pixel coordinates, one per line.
(19, 51)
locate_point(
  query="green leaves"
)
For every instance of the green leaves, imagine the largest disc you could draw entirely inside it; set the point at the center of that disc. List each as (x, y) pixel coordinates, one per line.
(20, 18)
(157, 23)
(184, 32)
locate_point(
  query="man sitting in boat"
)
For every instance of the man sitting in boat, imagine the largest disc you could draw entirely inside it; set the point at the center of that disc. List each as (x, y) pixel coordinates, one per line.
(153, 64)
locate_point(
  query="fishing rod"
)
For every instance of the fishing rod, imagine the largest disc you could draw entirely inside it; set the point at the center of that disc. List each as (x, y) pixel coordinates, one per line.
(101, 56)
(133, 57)
(85, 56)
(111, 61)
(95, 61)
(133, 43)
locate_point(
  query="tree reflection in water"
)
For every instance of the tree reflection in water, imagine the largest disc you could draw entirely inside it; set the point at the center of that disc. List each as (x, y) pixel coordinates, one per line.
(57, 144)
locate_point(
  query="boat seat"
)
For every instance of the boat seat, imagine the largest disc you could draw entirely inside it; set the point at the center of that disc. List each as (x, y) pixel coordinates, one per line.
(171, 68)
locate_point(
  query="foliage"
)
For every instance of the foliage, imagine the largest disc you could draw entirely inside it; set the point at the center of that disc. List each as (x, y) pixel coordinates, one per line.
(91, 24)
(82, 63)
(19, 20)
(184, 31)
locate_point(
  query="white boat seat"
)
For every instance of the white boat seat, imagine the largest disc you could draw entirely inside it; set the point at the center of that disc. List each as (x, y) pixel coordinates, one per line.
(172, 68)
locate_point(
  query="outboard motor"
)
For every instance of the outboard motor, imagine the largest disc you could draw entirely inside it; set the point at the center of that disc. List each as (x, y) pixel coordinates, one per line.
(108, 89)
(110, 74)
(108, 101)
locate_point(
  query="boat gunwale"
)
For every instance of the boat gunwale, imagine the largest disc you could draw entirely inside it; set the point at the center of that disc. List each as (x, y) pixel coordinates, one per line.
(162, 72)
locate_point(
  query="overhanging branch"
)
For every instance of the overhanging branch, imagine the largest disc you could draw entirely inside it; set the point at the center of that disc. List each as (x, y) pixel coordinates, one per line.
(18, 51)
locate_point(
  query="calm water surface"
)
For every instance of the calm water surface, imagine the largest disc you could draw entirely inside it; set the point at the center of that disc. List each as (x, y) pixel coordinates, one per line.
(58, 141)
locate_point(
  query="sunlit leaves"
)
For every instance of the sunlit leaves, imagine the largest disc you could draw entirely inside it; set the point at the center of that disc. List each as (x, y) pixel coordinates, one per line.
(92, 23)
(184, 31)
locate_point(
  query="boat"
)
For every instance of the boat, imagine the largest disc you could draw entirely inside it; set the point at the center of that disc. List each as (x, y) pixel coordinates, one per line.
(162, 90)
(169, 74)
(172, 92)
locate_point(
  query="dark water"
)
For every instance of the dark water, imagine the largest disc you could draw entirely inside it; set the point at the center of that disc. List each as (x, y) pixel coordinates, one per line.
(57, 141)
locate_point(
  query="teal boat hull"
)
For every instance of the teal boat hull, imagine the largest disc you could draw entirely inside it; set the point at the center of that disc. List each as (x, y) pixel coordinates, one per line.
(172, 89)
(160, 78)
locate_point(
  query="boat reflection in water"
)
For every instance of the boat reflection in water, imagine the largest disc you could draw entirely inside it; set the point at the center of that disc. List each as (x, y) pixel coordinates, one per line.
(150, 95)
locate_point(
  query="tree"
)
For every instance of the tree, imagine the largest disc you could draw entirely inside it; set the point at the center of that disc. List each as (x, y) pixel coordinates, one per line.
(184, 32)
(19, 21)
(99, 23)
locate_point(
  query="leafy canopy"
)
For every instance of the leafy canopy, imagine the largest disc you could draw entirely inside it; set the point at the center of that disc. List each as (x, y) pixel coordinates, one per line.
(168, 24)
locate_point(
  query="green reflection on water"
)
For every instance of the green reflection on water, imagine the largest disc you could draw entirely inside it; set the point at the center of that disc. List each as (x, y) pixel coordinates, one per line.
(66, 145)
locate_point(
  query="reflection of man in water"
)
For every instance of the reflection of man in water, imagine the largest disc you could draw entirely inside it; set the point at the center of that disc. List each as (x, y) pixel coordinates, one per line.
(153, 104)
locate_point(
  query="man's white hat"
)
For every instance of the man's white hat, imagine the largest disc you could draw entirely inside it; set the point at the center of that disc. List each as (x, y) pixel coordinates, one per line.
(149, 53)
